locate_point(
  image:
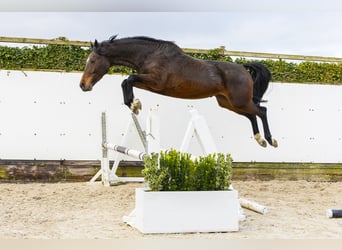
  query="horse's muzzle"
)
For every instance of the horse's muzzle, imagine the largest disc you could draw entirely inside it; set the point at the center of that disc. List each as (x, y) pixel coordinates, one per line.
(84, 87)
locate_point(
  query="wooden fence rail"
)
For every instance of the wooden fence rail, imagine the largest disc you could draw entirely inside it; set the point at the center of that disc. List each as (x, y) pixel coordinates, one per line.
(187, 50)
(68, 170)
(56, 41)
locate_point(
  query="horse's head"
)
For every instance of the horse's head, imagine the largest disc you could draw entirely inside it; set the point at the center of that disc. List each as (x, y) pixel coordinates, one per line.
(96, 67)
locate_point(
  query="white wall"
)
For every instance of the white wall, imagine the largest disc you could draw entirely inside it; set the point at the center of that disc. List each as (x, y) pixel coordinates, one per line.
(45, 115)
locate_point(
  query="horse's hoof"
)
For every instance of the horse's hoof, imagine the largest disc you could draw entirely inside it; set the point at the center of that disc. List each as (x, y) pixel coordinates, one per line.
(261, 141)
(274, 143)
(136, 106)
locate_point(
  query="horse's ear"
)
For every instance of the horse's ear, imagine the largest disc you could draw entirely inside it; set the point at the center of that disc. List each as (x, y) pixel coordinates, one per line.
(94, 45)
(112, 38)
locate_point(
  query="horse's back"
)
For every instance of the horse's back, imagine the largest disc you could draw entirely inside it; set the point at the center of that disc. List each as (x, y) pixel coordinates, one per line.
(173, 61)
(233, 73)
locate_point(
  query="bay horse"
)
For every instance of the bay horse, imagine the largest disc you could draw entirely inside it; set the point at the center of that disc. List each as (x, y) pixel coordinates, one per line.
(162, 67)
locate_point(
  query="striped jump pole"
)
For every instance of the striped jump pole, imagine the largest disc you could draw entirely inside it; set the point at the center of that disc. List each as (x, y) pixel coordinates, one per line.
(127, 151)
(334, 213)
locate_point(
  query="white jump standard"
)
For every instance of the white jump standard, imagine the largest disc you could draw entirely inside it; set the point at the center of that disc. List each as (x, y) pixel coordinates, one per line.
(149, 139)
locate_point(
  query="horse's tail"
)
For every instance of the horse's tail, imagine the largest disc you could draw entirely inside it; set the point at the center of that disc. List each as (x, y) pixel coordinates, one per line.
(261, 77)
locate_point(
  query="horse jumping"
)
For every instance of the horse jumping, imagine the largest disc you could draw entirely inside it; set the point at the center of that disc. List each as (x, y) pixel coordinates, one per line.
(162, 67)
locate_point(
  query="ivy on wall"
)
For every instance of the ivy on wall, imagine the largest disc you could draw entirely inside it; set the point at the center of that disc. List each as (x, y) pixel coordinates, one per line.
(56, 57)
(72, 58)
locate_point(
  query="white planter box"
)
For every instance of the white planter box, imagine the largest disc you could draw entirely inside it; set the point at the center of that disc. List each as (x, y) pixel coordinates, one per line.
(185, 211)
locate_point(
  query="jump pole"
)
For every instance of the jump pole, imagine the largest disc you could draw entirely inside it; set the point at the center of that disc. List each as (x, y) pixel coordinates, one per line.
(251, 205)
(334, 213)
(127, 151)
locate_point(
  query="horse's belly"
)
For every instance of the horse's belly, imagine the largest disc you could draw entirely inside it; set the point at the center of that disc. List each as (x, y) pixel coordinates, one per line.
(188, 92)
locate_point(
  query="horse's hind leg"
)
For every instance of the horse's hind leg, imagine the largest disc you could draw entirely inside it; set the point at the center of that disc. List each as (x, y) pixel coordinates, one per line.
(250, 110)
(255, 128)
(223, 102)
(262, 113)
(263, 116)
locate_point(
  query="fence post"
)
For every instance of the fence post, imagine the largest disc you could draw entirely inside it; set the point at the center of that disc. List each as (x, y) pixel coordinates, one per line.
(105, 175)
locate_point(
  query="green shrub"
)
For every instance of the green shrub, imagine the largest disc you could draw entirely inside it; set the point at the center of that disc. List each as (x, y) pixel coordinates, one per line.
(177, 172)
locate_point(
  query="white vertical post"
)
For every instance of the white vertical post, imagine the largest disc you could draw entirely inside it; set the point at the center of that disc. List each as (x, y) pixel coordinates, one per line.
(105, 171)
(153, 132)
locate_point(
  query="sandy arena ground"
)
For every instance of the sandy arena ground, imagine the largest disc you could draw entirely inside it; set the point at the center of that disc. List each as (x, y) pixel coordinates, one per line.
(83, 211)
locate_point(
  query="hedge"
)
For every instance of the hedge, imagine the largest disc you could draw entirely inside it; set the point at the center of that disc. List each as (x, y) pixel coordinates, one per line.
(176, 171)
(72, 58)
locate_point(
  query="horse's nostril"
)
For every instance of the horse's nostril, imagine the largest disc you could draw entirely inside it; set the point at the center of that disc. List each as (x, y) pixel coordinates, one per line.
(82, 86)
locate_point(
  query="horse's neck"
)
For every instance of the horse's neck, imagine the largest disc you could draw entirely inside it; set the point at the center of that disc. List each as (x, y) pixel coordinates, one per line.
(129, 55)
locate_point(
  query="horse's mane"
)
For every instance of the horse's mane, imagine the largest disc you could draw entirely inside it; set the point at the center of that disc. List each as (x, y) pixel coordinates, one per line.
(141, 38)
(101, 48)
(150, 39)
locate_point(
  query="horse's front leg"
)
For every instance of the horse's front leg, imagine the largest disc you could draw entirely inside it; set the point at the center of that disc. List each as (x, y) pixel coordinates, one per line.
(152, 82)
(128, 95)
